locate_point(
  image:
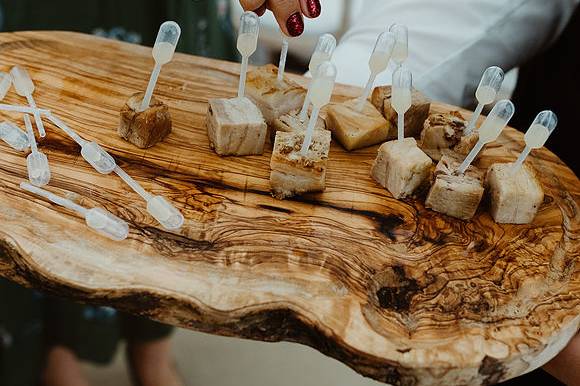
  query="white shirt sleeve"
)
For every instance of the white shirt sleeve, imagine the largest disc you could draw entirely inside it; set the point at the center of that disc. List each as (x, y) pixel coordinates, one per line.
(451, 42)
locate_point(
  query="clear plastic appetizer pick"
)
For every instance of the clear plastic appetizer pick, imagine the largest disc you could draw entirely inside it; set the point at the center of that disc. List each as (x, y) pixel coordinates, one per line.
(94, 154)
(322, 53)
(486, 93)
(99, 220)
(494, 124)
(283, 57)
(537, 135)
(13, 136)
(23, 109)
(5, 83)
(402, 97)
(163, 51)
(320, 93)
(25, 87)
(37, 162)
(378, 63)
(247, 44)
(401, 50)
(158, 207)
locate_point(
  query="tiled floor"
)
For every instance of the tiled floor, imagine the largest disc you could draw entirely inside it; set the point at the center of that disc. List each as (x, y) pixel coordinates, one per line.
(206, 360)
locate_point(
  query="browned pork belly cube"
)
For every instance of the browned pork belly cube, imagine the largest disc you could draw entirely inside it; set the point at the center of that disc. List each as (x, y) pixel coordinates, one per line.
(414, 118)
(292, 173)
(401, 167)
(453, 194)
(236, 127)
(273, 98)
(356, 129)
(514, 197)
(144, 129)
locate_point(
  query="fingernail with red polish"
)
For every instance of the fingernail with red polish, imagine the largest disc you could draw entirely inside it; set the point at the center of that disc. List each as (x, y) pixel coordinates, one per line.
(314, 7)
(295, 24)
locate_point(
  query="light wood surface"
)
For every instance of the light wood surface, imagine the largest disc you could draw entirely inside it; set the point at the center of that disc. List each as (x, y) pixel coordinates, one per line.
(397, 292)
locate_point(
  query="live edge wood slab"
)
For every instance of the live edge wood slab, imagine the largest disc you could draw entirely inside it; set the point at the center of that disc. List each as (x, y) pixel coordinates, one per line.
(399, 293)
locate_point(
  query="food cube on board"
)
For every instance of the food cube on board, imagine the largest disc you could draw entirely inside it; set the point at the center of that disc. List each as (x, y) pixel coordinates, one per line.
(144, 129)
(236, 127)
(443, 133)
(514, 197)
(291, 122)
(414, 118)
(272, 97)
(292, 173)
(356, 129)
(401, 167)
(453, 194)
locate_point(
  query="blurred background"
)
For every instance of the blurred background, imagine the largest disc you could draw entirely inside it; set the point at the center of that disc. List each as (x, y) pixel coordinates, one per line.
(209, 28)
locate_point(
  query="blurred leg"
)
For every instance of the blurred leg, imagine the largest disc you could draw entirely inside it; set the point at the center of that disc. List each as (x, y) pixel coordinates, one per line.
(63, 369)
(152, 364)
(149, 352)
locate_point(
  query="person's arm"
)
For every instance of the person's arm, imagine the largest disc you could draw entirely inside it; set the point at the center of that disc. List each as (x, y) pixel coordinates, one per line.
(451, 42)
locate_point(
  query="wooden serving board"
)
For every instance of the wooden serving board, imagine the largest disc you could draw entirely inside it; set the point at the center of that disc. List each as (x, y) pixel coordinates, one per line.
(399, 293)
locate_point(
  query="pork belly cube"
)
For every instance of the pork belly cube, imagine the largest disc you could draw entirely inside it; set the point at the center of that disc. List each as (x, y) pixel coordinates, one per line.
(273, 98)
(293, 174)
(414, 118)
(401, 167)
(144, 129)
(443, 133)
(453, 194)
(356, 129)
(235, 127)
(291, 122)
(515, 197)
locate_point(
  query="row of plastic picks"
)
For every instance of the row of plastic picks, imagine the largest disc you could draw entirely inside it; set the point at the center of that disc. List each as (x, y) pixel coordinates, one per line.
(39, 173)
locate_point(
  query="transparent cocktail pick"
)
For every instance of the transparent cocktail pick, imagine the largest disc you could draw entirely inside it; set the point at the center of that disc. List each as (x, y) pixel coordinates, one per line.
(486, 93)
(401, 49)
(378, 63)
(5, 83)
(94, 154)
(494, 124)
(37, 162)
(98, 219)
(25, 87)
(537, 135)
(321, 89)
(322, 53)
(158, 207)
(13, 136)
(402, 97)
(247, 44)
(163, 50)
(283, 57)
(23, 109)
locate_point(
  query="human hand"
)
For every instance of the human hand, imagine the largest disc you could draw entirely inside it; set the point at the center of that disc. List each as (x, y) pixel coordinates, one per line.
(288, 13)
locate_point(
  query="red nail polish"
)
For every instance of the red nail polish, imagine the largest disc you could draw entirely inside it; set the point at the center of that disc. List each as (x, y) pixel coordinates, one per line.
(295, 24)
(313, 7)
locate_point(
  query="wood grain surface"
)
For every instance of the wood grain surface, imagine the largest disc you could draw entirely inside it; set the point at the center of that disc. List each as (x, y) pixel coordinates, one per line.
(397, 292)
